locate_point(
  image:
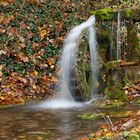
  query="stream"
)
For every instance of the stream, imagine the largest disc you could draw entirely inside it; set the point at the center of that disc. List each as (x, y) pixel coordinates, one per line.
(30, 123)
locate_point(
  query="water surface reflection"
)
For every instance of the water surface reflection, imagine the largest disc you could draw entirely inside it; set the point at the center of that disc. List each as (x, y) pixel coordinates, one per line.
(25, 123)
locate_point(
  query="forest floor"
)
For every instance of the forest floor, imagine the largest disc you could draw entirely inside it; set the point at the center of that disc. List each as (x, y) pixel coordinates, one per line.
(31, 38)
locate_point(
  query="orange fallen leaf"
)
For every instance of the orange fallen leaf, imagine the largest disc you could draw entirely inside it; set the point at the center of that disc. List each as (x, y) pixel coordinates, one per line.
(2, 52)
(41, 52)
(34, 86)
(2, 98)
(1, 18)
(84, 138)
(51, 61)
(6, 20)
(25, 59)
(3, 3)
(12, 31)
(51, 41)
(23, 25)
(66, 1)
(32, 1)
(60, 38)
(52, 66)
(43, 33)
(22, 57)
(35, 72)
(2, 31)
(53, 79)
(10, 1)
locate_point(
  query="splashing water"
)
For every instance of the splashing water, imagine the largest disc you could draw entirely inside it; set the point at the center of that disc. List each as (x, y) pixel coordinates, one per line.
(65, 100)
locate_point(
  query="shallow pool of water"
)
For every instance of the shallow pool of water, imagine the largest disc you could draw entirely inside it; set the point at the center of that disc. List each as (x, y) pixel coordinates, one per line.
(32, 123)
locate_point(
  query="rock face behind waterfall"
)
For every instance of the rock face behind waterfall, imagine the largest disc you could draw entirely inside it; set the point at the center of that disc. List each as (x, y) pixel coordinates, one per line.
(81, 83)
(83, 70)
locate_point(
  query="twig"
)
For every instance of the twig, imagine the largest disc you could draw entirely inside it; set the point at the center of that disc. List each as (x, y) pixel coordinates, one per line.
(22, 6)
(113, 127)
(123, 64)
(109, 122)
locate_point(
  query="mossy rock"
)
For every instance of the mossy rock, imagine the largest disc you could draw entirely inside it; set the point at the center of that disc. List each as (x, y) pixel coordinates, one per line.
(111, 14)
(89, 116)
(108, 104)
(115, 93)
(6, 106)
(83, 69)
(103, 14)
(112, 66)
(110, 114)
(120, 114)
(129, 13)
(136, 101)
(137, 51)
(133, 136)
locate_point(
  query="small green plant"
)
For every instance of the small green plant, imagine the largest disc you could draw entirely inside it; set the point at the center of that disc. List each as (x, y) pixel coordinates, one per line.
(131, 135)
(128, 12)
(115, 92)
(88, 116)
(126, 81)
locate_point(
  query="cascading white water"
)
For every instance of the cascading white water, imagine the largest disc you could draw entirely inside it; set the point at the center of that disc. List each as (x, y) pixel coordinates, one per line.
(118, 36)
(65, 99)
(94, 58)
(69, 55)
(111, 42)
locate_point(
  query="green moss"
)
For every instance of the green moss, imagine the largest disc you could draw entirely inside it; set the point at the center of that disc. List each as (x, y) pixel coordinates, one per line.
(133, 136)
(112, 66)
(115, 92)
(106, 104)
(89, 116)
(123, 114)
(110, 13)
(128, 12)
(136, 101)
(126, 81)
(104, 14)
(86, 89)
(137, 52)
(83, 69)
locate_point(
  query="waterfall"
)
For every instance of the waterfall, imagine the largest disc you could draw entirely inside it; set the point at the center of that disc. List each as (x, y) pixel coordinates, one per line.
(69, 55)
(118, 37)
(94, 56)
(111, 42)
(68, 60)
